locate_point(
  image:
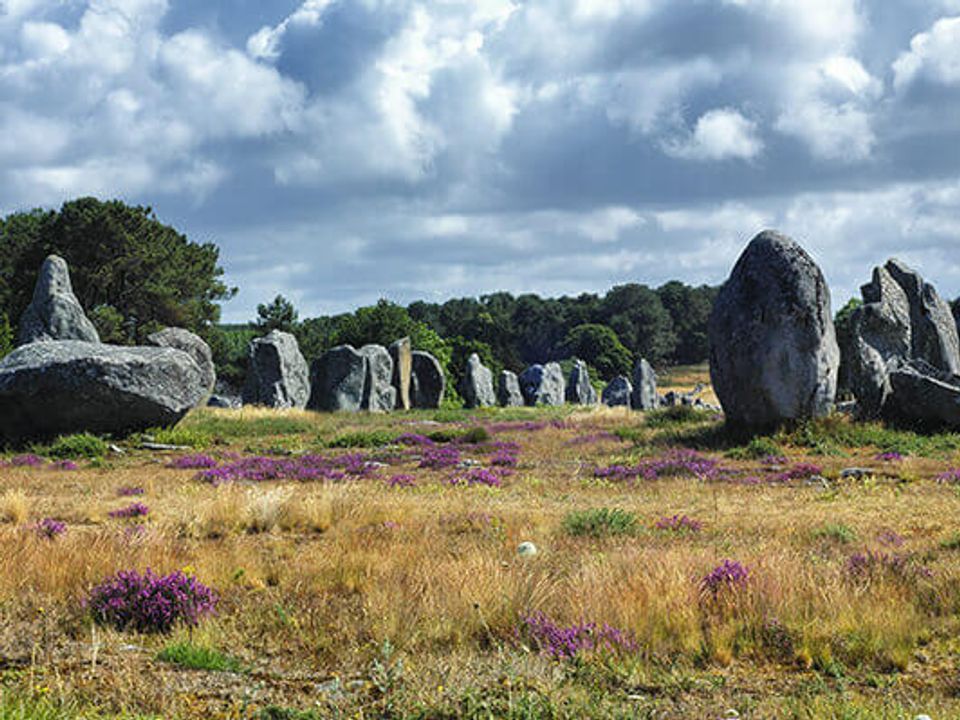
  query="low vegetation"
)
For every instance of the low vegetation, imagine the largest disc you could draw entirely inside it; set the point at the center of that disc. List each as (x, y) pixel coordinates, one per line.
(317, 566)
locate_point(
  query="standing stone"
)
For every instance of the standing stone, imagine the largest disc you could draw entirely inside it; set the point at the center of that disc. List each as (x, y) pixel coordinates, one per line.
(427, 382)
(933, 329)
(337, 380)
(543, 385)
(54, 312)
(579, 389)
(68, 386)
(644, 395)
(379, 394)
(277, 374)
(477, 385)
(617, 392)
(195, 347)
(773, 348)
(401, 354)
(880, 339)
(508, 390)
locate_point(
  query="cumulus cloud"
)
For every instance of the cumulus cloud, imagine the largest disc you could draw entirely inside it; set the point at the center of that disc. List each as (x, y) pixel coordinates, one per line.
(449, 147)
(720, 134)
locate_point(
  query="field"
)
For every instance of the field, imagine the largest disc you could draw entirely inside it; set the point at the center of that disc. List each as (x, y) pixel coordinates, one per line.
(680, 572)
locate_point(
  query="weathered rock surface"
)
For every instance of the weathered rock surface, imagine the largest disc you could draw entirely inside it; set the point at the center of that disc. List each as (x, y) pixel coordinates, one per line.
(644, 395)
(427, 383)
(774, 354)
(69, 386)
(579, 390)
(477, 385)
(543, 385)
(379, 394)
(903, 329)
(617, 392)
(277, 374)
(338, 379)
(54, 312)
(508, 390)
(194, 346)
(401, 352)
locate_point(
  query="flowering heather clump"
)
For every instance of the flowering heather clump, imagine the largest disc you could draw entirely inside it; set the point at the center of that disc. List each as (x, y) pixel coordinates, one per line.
(477, 476)
(304, 468)
(566, 643)
(951, 476)
(415, 440)
(800, 471)
(50, 528)
(890, 538)
(679, 463)
(437, 458)
(29, 460)
(678, 523)
(871, 565)
(728, 575)
(402, 481)
(128, 491)
(137, 509)
(65, 466)
(890, 456)
(150, 602)
(193, 462)
(774, 460)
(616, 472)
(505, 455)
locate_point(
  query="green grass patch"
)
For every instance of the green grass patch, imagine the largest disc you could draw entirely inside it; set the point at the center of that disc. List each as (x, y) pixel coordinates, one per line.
(40, 705)
(757, 449)
(836, 532)
(198, 657)
(191, 437)
(839, 431)
(363, 439)
(236, 426)
(600, 522)
(676, 415)
(75, 447)
(951, 543)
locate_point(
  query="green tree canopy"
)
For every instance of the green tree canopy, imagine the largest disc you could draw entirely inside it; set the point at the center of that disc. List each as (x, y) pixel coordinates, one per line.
(277, 315)
(600, 347)
(121, 257)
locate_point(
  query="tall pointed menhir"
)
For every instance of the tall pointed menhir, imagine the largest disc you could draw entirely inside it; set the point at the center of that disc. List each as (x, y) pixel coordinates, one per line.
(54, 312)
(773, 348)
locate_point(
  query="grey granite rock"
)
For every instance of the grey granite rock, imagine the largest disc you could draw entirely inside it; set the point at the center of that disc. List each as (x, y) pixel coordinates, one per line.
(54, 312)
(277, 374)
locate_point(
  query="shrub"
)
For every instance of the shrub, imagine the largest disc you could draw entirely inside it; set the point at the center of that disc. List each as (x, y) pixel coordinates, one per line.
(363, 439)
(150, 603)
(566, 643)
(757, 449)
(83, 445)
(186, 436)
(198, 657)
(600, 522)
(474, 436)
(729, 575)
(676, 415)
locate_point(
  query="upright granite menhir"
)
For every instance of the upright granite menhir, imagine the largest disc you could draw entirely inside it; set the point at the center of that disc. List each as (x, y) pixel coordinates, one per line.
(773, 348)
(54, 312)
(277, 374)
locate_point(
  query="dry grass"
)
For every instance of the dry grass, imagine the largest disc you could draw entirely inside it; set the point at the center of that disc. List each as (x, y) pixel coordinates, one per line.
(315, 577)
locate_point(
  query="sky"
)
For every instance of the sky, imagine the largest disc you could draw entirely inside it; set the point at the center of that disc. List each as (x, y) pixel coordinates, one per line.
(339, 151)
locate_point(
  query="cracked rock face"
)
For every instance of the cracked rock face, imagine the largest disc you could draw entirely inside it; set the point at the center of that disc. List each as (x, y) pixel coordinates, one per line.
(54, 312)
(774, 354)
(508, 390)
(543, 385)
(579, 389)
(277, 375)
(69, 386)
(617, 392)
(194, 346)
(477, 385)
(427, 382)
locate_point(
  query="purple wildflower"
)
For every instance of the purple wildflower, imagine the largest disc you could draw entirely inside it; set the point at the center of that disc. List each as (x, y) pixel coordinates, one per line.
(871, 565)
(566, 643)
(304, 468)
(28, 460)
(951, 476)
(127, 491)
(150, 602)
(65, 466)
(415, 440)
(50, 528)
(136, 509)
(890, 538)
(193, 462)
(728, 575)
(678, 523)
(774, 460)
(889, 456)
(437, 458)
(402, 481)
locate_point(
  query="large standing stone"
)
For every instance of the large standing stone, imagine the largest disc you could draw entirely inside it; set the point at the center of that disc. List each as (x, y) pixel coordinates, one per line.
(379, 394)
(508, 390)
(579, 389)
(68, 386)
(879, 340)
(618, 391)
(54, 312)
(773, 348)
(644, 394)
(924, 394)
(543, 385)
(195, 347)
(933, 329)
(401, 352)
(477, 385)
(337, 380)
(427, 382)
(277, 374)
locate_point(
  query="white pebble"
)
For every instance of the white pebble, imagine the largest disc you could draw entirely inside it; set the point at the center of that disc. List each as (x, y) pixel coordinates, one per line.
(526, 549)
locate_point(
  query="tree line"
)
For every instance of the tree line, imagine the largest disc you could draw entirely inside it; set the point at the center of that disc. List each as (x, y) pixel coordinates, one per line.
(134, 275)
